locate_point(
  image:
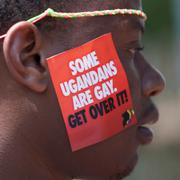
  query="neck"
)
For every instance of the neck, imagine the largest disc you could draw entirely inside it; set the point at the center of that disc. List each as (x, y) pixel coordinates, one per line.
(19, 157)
(20, 160)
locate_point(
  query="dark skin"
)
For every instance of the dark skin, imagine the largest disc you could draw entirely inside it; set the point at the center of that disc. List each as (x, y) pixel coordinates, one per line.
(35, 143)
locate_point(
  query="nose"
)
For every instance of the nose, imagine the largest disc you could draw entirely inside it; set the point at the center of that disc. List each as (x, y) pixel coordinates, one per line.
(152, 80)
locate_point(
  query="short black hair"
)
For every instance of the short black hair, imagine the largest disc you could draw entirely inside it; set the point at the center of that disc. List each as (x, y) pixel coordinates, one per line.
(12, 11)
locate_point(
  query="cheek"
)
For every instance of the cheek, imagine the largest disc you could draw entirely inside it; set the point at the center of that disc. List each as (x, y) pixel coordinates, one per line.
(134, 80)
(101, 160)
(105, 158)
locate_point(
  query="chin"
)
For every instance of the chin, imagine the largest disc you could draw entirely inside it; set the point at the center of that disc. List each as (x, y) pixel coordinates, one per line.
(127, 171)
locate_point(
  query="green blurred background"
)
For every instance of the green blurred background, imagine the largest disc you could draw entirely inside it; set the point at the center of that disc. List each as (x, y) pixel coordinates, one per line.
(161, 159)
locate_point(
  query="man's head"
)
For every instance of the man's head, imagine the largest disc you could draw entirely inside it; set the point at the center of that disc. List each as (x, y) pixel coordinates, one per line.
(29, 106)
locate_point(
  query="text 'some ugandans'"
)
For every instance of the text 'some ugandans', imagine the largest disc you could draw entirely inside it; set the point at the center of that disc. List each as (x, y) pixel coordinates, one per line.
(93, 92)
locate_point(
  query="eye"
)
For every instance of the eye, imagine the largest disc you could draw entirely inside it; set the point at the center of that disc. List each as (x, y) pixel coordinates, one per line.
(137, 49)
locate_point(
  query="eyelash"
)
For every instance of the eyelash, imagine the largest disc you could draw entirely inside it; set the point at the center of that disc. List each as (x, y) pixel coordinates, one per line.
(140, 48)
(136, 49)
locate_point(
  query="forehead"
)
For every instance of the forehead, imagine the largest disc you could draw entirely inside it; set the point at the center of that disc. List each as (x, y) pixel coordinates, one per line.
(131, 29)
(94, 27)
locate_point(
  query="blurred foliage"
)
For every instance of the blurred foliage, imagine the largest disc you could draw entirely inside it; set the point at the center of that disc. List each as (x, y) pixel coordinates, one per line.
(161, 160)
(159, 17)
(156, 164)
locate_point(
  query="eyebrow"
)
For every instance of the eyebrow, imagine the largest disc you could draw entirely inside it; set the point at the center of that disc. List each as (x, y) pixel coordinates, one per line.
(139, 25)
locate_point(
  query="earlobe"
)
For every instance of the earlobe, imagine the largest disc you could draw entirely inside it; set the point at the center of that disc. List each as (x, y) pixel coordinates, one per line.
(22, 47)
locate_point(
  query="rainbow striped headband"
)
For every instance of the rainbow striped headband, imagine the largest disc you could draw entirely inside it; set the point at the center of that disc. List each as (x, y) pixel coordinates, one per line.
(51, 13)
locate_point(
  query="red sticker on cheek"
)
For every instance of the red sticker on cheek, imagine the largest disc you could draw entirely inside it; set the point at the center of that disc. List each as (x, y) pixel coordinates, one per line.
(93, 92)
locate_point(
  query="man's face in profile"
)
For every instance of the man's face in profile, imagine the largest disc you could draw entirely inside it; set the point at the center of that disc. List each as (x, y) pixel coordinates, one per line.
(117, 156)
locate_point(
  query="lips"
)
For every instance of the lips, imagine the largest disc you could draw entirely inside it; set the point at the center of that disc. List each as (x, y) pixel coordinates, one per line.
(145, 134)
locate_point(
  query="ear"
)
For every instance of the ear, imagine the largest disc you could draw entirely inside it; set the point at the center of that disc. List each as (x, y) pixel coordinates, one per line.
(22, 47)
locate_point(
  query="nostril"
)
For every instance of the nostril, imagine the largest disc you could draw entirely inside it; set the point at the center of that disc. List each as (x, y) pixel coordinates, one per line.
(153, 82)
(154, 88)
(154, 93)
